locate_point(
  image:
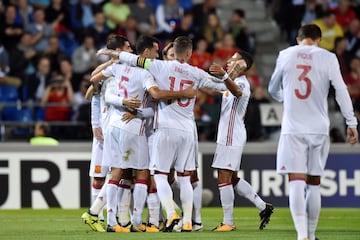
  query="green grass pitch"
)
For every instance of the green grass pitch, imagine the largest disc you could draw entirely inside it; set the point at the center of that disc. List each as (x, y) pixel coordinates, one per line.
(54, 224)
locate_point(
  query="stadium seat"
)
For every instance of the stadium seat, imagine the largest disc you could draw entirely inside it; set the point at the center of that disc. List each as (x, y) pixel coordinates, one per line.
(8, 93)
(14, 114)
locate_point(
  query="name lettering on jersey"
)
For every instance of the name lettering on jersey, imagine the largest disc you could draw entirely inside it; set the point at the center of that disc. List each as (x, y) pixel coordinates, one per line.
(306, 56)
(181, 70)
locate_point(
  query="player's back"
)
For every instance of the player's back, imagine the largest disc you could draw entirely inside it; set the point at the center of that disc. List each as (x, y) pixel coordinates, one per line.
(307, 71)
(127, 82)
(175, 76)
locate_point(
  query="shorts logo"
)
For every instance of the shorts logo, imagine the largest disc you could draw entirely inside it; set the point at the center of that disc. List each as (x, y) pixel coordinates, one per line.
(126, 156)
(283, 168)
(98, 169)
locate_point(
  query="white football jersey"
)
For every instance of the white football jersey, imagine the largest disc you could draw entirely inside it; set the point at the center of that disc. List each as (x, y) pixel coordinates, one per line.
(175, 76)
(105, 115)
(127, 82)
(301, 80)
(231, 130)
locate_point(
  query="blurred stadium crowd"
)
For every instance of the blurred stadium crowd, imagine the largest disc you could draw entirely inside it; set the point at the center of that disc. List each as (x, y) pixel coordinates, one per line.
(48, 49)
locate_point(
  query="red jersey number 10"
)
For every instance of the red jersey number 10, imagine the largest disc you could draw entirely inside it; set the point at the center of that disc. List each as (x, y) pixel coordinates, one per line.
(303, 77)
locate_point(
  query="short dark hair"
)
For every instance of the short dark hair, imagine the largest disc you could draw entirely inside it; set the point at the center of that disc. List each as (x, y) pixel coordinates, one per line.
(145, 42)
(240, 12)
(309, 31)
(247, 58)
(116, 41)
(181, 44)
(45, 128)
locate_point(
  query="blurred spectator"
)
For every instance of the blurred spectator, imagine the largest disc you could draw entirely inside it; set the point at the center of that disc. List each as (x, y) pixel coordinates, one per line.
(79, 98)
(353, 37)
(344, 14)
(57, 100)
(40, 4)
(66, 70)
(98, 3)
(201, 57)
(225, 49)
(253, 78)
(54, 53)
(186, 27)
(144, 16)
(99, 31)
(84, 57)
(352, 81)
(22, 58)
(38, 81)
(40, 31)
(254, 129)
(82, 16)
(129, 30)
(25, 13)
(168, 17)
(330, 30)
(10, 31)
(4, 58)
(312, 11)
(42, 136)
(238, 27)
(201, 12)
(213, 32)
(5, 79)
(58, 16)
(116, 13)
(289, 16)
(341, 54)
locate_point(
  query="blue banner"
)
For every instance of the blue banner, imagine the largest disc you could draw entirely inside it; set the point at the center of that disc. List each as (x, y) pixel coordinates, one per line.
(340, 185)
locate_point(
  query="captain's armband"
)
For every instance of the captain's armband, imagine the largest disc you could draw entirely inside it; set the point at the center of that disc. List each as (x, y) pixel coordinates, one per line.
(143, 62)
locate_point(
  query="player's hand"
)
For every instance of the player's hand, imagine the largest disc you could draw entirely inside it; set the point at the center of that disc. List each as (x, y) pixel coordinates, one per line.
(132, 102)
(127, 117)
(190, 92)
(103, 51)
(97, 133)
(352, 135)
(217, 70)
(109, 52)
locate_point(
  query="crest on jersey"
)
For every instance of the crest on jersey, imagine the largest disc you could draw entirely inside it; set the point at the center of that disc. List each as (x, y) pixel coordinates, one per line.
(242, 86)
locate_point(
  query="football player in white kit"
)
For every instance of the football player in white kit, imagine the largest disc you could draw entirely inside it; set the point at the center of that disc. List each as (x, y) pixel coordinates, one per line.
(231, 139)
(99, 119)
(126, 142)
(174, 142)
(168, 54)
(301, 80)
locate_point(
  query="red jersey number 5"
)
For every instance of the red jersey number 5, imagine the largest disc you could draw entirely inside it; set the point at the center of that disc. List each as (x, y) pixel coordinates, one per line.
(121, 86)
(305, 70)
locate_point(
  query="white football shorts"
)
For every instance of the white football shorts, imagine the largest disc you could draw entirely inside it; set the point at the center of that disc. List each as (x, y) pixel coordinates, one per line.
(96, 167)
(302, 153)
(125, 150)
(227, 157)
(173, 147)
